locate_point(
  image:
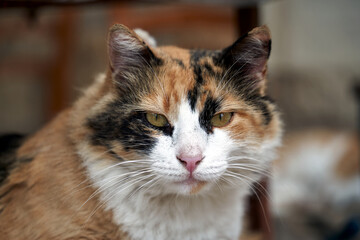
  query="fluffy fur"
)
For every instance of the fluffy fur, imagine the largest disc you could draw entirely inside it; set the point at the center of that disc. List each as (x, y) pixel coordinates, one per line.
(101, 170)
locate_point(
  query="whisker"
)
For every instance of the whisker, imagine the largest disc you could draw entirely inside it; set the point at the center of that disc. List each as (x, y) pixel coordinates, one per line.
(241, 176)
(132, 182)
(257, 196)
(263, 171)
(110, 180)
(142, 186)
(88, 181)
(234, 158)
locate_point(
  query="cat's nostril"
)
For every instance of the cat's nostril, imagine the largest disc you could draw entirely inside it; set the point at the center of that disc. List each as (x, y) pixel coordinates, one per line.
(182, 162)
(190, 162)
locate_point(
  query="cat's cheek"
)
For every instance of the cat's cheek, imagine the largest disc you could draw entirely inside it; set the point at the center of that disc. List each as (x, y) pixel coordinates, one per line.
(218, 149)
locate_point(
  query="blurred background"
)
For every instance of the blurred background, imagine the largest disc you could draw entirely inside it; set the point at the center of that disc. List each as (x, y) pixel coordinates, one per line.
(51, 50)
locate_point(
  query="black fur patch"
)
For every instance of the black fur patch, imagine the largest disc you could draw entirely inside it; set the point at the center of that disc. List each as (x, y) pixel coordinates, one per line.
(134, 134)
(107, 127)
(261, 103)
(179, 62)
(210, 108)
(198, 75)
(151, 58)
(197, 54)
(209, 69)
(9, 144)
(132, 129)
(192, 97)
(195, 57)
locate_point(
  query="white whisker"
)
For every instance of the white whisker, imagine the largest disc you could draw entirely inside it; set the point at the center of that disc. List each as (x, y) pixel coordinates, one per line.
(130, 183)
(254, 191)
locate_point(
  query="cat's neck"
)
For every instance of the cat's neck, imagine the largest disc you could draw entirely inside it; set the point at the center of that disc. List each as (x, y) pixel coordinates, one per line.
(190, 217)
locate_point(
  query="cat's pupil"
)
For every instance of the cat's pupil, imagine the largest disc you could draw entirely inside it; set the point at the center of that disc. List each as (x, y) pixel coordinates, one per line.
(221, 115)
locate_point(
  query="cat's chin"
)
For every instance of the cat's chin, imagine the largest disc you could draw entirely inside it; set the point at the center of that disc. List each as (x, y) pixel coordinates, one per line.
(191, 186)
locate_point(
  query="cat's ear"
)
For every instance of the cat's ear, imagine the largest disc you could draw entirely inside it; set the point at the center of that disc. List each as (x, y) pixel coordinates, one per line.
(246, 59)
(127, 51)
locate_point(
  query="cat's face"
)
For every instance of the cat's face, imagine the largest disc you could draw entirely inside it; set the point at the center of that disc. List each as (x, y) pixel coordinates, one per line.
(183, 121)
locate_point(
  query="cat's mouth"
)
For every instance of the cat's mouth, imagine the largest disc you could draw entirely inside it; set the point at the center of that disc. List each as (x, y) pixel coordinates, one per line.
(194, 184)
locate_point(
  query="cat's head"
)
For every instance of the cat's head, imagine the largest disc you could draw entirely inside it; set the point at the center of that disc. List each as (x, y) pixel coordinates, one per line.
(183, 121)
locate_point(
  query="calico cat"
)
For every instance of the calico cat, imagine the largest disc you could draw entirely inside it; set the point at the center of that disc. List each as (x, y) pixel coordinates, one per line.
(165, 145)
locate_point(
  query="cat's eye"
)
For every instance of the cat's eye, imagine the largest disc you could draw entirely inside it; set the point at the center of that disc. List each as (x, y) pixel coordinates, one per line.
(157, 120)
(221, 119)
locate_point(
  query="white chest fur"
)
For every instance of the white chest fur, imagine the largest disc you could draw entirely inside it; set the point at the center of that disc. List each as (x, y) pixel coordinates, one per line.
(148, 215)
(180, 218)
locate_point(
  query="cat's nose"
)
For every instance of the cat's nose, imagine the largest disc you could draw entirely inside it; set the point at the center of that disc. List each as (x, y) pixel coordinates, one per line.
(190, 162)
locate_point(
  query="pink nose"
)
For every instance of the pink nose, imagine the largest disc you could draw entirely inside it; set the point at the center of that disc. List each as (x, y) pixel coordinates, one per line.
(190, 162)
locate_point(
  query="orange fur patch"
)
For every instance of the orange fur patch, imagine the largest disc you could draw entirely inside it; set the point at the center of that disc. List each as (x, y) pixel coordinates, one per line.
(43, 199)
(198, 187)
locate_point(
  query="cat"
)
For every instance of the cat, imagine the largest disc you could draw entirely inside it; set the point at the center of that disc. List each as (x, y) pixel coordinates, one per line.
(316, 186)
(164, 145)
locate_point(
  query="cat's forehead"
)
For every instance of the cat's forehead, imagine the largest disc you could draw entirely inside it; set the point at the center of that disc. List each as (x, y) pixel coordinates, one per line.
(186, 76)
(174, 53)
(190, 58)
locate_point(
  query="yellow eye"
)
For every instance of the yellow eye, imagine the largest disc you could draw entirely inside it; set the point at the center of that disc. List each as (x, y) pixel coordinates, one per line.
(157, 120)
(221, 119)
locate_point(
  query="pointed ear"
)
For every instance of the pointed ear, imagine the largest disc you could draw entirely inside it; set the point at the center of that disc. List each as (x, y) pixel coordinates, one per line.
(127, 51)
(246, 60)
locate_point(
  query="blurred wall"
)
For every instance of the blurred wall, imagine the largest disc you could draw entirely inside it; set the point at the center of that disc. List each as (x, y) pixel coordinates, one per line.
(313, 65)
(315, 60)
